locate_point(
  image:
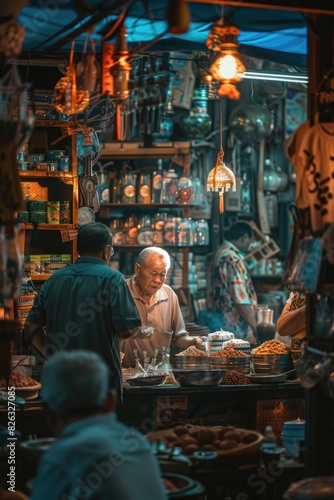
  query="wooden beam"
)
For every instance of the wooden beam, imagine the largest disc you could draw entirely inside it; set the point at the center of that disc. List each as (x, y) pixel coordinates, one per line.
(310, 6)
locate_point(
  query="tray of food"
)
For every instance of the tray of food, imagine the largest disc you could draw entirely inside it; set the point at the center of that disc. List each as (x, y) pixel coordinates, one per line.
(234, 446)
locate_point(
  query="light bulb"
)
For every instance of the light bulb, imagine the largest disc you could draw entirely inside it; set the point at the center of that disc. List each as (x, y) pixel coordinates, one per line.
(227, 67)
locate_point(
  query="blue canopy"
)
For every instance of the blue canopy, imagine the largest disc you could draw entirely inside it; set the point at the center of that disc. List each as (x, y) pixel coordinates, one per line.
(272, 34)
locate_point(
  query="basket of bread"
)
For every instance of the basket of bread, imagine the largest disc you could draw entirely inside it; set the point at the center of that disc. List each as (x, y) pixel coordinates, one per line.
(233, 446)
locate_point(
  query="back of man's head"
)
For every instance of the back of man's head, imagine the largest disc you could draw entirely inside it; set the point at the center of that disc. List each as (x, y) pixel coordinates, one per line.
(75, 382)
(238, 230)
(92, 238)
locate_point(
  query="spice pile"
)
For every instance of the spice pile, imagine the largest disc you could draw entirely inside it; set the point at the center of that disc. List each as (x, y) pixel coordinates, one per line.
(192, 351)
(228, 352)
(232, 377)
(18, 380)
(272, 347)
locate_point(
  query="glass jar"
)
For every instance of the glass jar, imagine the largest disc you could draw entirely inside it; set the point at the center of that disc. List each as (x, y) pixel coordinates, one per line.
(145, 231)
(185, 233)
(166, 127)
(185, 193)
(198, 123)
(202, 232)
(169, 187)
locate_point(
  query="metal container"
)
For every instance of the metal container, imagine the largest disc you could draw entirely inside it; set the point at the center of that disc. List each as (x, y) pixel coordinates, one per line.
(272, 364)
(198, 378)
(190, 362)
(240, 364)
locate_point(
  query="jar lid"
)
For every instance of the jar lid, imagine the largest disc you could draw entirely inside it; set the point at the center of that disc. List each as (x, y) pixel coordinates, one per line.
(311, 488)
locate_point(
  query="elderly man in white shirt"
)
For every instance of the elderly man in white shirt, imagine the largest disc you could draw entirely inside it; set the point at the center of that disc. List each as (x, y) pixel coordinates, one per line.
(158, 306)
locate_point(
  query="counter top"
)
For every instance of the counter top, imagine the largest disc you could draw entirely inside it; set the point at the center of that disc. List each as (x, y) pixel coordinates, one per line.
(176, 389)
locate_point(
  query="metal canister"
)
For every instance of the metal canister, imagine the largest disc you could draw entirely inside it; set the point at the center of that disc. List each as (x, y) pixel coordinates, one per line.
(64, 163)
(65, 212)
(53, 212)
(53, 166)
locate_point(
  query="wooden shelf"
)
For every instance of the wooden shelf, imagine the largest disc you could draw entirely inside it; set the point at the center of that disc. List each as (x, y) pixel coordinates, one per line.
(135, 151)
(54, 123)
(51, 227)
(42, 174)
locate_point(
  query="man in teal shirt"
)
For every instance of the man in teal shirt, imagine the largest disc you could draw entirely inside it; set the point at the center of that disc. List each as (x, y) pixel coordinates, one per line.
(86, 306)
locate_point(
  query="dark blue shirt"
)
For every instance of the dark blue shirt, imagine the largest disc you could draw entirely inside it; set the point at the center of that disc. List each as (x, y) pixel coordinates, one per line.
(85, 306)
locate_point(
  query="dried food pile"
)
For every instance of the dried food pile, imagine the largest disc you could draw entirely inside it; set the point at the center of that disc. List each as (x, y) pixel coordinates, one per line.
(18, 380)
(272, 347)
(228, 352)
(215, 438)
(233, 377)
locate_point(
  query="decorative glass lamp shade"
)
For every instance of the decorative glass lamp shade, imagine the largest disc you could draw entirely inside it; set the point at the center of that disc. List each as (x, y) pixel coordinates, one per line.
(228, 67)
(221, 179)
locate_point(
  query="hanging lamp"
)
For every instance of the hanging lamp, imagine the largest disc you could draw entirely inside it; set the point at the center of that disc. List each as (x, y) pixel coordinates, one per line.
(221, 178)
(227, 67)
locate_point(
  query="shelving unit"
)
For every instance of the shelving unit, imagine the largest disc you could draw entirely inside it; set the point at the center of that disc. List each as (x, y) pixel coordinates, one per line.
(180, 153)
(62, 186)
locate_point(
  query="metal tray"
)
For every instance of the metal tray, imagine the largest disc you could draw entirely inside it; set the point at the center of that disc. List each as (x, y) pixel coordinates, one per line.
(268, 379)
(146, 381)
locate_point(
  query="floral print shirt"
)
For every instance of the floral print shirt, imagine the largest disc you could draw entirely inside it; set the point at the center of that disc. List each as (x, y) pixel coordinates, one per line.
(231, 284)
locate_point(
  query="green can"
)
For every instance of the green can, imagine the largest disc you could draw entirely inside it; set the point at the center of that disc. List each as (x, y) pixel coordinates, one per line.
(53, 212)
(65, 212)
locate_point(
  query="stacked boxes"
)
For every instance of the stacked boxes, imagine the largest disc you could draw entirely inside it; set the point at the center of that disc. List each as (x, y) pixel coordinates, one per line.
(46, 263)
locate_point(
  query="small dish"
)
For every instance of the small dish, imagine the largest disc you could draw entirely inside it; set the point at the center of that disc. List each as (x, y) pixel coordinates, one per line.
(146, 381)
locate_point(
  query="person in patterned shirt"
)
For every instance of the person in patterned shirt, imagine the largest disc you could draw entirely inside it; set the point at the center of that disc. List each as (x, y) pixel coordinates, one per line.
(233, 300)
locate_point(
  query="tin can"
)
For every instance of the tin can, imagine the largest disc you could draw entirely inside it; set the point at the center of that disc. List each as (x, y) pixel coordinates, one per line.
(39, 217)
(21, 156)
(23, 165)
(53, 212)
(42, 166)
(65, 212)
(37, 206)
(64, 164)
(53, 166)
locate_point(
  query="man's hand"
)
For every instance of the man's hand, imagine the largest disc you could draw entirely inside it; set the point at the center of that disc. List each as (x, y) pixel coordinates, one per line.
(252, 340)
(198, 341)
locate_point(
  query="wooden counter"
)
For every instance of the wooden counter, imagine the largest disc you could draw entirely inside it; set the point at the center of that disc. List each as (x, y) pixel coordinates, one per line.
(147, 408)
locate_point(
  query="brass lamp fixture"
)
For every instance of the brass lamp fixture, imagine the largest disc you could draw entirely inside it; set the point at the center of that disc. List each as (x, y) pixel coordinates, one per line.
(221, 178)
(228, 67)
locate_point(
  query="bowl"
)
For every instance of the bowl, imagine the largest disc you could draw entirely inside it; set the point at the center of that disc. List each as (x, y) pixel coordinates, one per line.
(240, 364)
(198, 378)
(272, 364)
(190, 362)
(146, 381)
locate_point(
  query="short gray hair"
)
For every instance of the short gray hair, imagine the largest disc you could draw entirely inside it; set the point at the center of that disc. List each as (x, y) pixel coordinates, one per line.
(153, 250)
(74, 381)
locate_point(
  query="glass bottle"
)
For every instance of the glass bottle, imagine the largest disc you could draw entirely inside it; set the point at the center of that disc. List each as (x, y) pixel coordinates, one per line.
(129, 187)
(245, 194)
(159, 220)
(144, 188)
(266, 328)
(157, 183)
(104, 189)
(145, 231)
(166, 127)
(198, 123)
(169, 187)
(269, 439)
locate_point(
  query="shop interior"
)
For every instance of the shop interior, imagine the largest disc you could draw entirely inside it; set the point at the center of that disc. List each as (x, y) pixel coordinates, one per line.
(149, 115)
